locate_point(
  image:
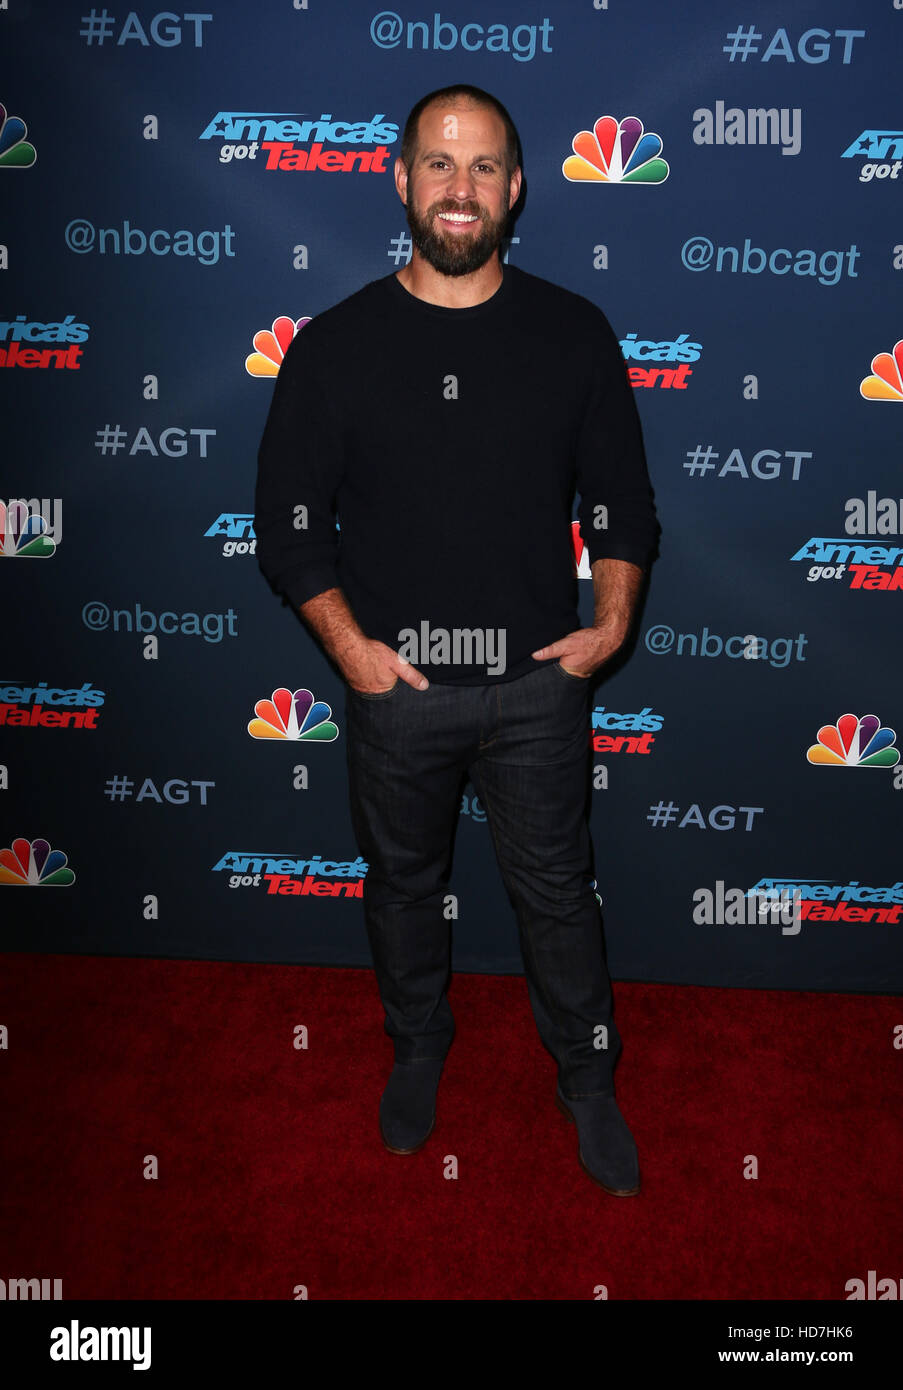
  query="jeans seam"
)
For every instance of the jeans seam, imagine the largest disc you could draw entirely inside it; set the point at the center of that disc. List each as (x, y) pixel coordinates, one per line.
(553, 1012)
(540, 987)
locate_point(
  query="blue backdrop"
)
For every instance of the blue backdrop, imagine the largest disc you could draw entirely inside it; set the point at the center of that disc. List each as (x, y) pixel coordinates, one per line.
(725, 182)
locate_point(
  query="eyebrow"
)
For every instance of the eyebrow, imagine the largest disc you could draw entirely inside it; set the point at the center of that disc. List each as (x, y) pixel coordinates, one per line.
(479, 159)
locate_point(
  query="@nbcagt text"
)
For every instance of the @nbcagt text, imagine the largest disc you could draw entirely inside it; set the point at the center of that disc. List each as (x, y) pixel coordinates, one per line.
(698, 253)
(661, 639)
(97, 616)
(83, 237)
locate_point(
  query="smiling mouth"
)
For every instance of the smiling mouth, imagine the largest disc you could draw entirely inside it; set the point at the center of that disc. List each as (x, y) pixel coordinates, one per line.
(457, 219)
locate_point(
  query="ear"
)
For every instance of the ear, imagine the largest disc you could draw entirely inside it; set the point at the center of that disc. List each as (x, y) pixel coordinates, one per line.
(514, 187)
(401, 179)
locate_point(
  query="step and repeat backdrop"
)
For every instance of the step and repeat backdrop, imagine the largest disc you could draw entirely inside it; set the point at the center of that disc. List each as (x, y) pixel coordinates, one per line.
(180, 193)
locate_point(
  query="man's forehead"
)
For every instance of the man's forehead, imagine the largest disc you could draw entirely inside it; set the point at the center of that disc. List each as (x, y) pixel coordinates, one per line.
(465, 118)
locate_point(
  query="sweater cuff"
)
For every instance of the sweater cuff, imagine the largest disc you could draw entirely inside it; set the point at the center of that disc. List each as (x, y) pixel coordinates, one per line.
(634, 552)
(307, 583)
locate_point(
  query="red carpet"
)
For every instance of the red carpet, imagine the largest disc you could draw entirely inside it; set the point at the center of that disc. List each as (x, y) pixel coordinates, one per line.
(272, 1173)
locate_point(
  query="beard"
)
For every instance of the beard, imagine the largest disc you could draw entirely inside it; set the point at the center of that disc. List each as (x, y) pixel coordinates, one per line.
(449, 252)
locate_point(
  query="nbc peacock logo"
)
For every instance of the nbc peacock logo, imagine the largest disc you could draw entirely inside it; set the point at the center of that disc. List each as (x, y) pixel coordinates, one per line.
(15, 151)
(295, 716)
(855, 742)
(33, 864)
(616, 152)
(271, 345)
(23, 533)
(886, 380)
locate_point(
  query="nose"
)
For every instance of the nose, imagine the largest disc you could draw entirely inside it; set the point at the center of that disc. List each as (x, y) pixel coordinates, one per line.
(462, 185)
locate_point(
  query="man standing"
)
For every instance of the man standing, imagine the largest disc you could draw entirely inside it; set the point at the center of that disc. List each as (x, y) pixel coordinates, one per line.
(447, 414)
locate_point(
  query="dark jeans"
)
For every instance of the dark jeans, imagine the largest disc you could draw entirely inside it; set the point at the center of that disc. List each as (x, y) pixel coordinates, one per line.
(525, 745)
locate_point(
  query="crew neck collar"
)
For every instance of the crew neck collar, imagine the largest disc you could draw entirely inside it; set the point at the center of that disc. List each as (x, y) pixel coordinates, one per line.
(423, 306)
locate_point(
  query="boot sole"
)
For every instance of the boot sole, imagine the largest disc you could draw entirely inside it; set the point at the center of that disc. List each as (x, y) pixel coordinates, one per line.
(415, 1149)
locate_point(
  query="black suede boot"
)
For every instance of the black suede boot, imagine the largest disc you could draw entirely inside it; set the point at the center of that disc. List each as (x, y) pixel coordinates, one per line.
(606, 1147)
(407, 1111)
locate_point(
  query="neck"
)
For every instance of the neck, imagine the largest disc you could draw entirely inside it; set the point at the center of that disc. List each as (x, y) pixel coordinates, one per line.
(423, 281)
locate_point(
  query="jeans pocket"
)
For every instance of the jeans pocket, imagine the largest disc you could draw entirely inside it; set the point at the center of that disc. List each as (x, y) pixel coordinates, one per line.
(377, 694)
(570, 675)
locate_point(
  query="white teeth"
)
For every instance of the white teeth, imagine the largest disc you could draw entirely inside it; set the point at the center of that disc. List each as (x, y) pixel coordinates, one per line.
(458, 216)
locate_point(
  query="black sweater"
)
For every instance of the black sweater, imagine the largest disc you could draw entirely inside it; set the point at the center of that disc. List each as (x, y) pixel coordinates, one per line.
(447, 444)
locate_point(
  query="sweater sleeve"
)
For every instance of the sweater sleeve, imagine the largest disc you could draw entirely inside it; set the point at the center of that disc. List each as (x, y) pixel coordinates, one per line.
(299, 465)
(616, 509)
